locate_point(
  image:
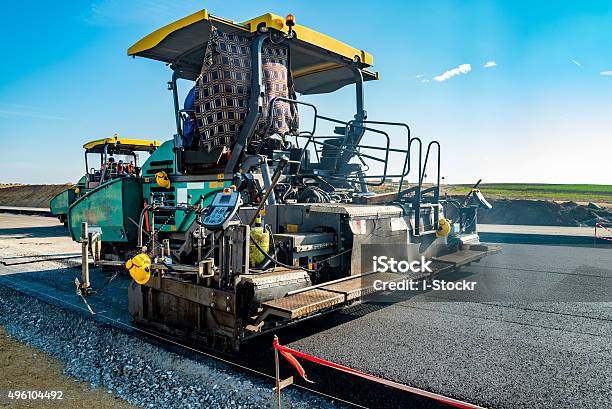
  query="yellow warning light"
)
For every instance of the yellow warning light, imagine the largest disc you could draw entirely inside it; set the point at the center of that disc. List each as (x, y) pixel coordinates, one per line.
(77, 190)
(161, 178)
(290, 20)
(139, 267)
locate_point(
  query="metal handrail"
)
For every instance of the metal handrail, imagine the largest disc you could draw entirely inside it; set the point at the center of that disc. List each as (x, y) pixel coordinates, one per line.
(406, 167)
(290, 101)
(417, 189)
(436, 187)
(354, 149)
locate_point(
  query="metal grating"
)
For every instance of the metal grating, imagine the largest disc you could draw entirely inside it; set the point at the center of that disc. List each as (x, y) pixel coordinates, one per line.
(304, 303)
(325, 296)
(462, 257)
(360, 286)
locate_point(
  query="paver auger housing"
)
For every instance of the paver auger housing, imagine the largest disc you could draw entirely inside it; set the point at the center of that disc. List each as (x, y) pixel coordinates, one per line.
(249, 220)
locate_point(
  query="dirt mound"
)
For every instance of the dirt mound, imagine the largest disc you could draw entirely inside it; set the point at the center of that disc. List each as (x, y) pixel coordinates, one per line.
(29, 195)
(505, 211)
(542, 213)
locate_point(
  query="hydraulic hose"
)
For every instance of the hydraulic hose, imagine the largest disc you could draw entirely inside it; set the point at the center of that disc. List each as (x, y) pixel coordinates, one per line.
(273, 260)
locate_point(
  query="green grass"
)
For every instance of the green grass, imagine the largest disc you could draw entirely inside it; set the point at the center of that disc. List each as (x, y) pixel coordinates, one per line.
(561, 192)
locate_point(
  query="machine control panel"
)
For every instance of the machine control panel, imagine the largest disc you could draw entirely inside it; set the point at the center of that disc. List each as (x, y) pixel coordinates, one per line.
(222, 209)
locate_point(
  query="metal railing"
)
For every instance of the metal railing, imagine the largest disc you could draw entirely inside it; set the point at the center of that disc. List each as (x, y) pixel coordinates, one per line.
(344, 146)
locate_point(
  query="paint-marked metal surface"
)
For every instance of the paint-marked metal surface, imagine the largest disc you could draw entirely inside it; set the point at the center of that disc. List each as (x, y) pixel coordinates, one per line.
(110, 208)
(61, 202)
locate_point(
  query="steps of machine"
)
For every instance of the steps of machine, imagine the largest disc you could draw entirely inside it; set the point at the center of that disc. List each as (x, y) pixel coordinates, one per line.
(461, 257)
(317, 298)
(320, 297)
(356, 288)
(304, 303)
(467, 255)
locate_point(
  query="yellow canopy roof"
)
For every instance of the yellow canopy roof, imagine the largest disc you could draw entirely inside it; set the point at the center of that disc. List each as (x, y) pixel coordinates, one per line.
(319, 62)
(125, 144)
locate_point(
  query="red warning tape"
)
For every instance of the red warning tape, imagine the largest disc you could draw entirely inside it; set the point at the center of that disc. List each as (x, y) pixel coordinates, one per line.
(444, 399)
(601, 226)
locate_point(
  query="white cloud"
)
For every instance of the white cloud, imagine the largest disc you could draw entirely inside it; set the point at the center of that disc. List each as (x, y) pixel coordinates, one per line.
(424, 81)
(608, 73)
(420, 76)
(490, 64)
(576, 62)
(462, 69)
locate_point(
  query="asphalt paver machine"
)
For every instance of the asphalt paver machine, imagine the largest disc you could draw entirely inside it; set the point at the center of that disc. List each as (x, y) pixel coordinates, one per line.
(259, 212)
(116, 158)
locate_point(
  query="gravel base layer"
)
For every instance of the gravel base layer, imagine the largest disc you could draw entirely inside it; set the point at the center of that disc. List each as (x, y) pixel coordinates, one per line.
(137, 371)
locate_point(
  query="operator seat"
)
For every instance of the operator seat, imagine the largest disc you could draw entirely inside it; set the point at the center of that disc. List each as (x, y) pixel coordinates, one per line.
(222, 94)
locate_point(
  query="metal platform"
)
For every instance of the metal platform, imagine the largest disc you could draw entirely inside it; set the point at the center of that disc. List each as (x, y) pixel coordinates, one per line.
(469, 253)
(317, 298)
(304, 303)
(352, 289)
(461, 257)
(310, 300)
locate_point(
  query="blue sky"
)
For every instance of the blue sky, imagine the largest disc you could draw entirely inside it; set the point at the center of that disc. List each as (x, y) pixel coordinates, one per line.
(543, 113)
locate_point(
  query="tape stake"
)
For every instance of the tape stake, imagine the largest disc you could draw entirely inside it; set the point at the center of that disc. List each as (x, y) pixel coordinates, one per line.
(601, 226)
